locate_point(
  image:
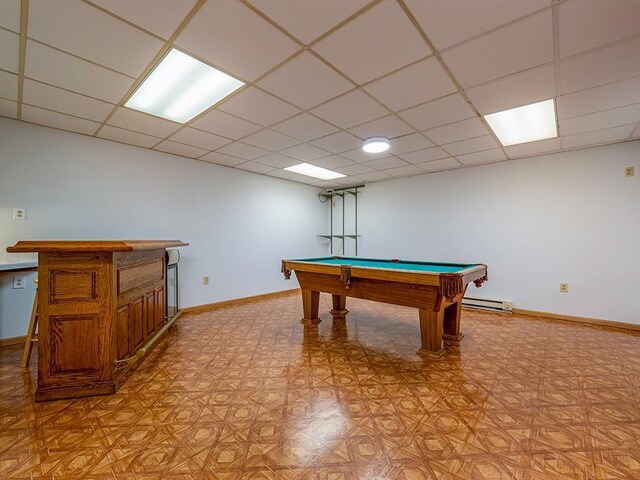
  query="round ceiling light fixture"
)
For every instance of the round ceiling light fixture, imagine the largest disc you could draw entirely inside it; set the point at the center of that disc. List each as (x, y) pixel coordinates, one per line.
(375, 145)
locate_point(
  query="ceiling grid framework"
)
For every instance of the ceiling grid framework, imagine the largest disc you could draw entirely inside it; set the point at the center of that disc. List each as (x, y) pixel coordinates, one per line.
(329, 75)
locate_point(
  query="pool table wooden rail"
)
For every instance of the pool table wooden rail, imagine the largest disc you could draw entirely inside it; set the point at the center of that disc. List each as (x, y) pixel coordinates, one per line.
(449, 284)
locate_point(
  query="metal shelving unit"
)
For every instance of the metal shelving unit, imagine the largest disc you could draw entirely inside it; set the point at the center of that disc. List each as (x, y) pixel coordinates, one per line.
(328, 195)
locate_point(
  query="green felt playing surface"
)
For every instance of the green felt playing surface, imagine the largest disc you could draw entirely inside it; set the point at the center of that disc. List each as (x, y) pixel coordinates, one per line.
(373, 263)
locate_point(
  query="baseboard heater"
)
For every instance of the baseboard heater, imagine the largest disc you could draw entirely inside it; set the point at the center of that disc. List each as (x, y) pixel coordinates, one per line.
(486, 304)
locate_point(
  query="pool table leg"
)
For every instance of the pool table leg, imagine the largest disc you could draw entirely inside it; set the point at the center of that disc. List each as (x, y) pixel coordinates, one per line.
(339, 306)
(452, 321)
(431, 332)
(310, 305)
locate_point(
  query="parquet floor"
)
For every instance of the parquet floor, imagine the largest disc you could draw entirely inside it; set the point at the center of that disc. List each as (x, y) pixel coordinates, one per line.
(247, 392)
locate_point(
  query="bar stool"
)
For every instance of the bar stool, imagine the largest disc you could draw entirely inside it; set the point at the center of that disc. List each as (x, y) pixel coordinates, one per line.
(32, 336)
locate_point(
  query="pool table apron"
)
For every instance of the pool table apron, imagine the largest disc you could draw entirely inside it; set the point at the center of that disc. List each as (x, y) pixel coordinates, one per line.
(439, 309)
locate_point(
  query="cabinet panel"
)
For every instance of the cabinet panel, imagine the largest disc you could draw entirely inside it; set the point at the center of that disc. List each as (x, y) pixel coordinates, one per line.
(73, 349)
(136, 324)
(160, 307)
(149, 314)
(122, 332)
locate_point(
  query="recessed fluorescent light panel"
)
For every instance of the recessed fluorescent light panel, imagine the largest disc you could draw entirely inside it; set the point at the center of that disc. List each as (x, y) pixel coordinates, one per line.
(180, 87)
(525, 124)
(313, 171)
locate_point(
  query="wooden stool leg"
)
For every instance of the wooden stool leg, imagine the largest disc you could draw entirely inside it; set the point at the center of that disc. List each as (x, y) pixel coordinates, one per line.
(31, 334)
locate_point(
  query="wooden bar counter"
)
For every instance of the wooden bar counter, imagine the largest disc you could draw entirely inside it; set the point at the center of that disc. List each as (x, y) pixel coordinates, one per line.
(101, 308)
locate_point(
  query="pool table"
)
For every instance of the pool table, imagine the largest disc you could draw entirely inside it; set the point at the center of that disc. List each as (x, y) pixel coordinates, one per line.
(435, 289)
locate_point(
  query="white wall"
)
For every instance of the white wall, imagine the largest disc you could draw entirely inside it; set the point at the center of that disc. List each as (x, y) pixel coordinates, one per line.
(569, 217)
(240, 225)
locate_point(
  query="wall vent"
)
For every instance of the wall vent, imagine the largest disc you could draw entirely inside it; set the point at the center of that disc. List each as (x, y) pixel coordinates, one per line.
(486, 304)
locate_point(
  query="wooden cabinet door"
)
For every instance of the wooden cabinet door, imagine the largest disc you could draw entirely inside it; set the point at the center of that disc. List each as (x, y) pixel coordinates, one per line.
(160, 307)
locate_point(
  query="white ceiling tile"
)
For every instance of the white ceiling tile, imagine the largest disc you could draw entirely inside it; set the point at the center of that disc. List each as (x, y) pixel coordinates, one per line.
(53, 98)
(439, 165)
(8, 108)
(355, 169)
(278, 161)
(9, 53)
(236, 39)
(127, 136)
(487, 156)
(93, 34)
(611, 135)
(449, 22)
(351, 109)
(425, 155)
(255, 167)
(305, 152)
(439, 112)
(605, 65)
(375, 176)
(587, 24)
(198, 138)
(477, 144)
(380, 40)
(501, 52)
(10, 15)
(332, 162)
(409, 143)
(224, 124)
(469, 128)
(8, 86)
(221, 159)
(180, 149)
(533, 148)
(161, 17)
(338, 142)
(305, 81)
(308, 19)
(259, 107)
(143, 123)
(406, 171)
(242, 150)
(305, 127)
(389, 127)
(601, 120)
(270, 140)
(359, 155)
(524, 88)
(58, 120)
(385, 163)
(611, 95)
(57, 68)
(418, 83)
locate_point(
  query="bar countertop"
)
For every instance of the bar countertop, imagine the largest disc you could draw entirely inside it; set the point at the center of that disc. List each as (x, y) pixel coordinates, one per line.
(92, 245)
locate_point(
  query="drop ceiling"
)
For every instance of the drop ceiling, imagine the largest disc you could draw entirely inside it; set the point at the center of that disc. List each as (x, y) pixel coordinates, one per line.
(322, 76)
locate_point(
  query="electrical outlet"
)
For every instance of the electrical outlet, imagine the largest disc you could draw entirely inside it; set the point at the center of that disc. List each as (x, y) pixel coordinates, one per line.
(629, 172)
(19, 213)
(564, 288)
(205, 280)
(18, 282)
